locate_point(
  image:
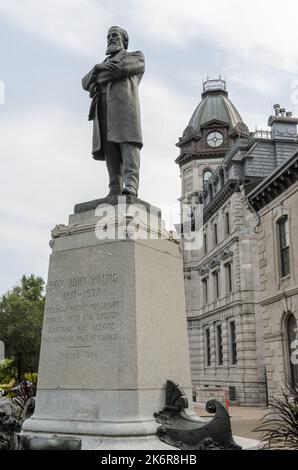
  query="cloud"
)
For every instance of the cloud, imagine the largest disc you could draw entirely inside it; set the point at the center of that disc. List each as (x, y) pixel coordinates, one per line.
(255, 40)
(262, 32)
(259, 32)
(78, 26)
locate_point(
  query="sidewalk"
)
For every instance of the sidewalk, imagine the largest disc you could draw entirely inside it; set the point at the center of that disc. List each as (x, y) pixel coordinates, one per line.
(243, 419)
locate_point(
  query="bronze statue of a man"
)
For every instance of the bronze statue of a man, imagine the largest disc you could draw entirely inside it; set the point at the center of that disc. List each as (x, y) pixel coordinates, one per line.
(115, 111)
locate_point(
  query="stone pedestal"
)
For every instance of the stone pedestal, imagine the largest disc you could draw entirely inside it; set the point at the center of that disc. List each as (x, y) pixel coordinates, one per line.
(114, 328)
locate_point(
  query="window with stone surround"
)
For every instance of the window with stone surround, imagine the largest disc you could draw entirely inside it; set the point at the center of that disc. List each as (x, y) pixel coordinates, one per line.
(284, 246)
(219, 347)
(227, 224)
(207, 347)
(229, 280)
(216, 284)
(233, 343)
(215, 234)
(232, 393)
(206, 175)
(205, 291)
(205, 243)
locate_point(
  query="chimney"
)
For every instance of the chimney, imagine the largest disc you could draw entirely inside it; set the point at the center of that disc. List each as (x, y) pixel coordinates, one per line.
(276, 108)
(282, 112)
(283, 124)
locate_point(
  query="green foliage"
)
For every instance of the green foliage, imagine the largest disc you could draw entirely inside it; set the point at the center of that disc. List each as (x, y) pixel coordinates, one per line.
(31, 377)
(8, 371)
(21, 314)
(280, 425)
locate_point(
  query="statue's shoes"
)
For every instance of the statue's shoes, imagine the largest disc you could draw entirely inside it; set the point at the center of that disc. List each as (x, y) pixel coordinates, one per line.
(132, 192)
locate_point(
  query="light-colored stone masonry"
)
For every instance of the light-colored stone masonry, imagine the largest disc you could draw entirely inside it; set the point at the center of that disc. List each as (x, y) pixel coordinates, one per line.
(277, 297)
(247, 376)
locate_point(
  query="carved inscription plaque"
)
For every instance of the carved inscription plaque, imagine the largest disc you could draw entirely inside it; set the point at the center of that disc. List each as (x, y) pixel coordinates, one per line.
(88, 320)
(85, 312)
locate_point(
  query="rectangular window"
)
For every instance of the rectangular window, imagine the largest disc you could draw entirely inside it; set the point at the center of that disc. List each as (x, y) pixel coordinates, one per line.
(215, 237)
(233, 344)
(284, 246)
(219, 345)
(227, 223)
(232, 393)
(205, 243)
(216, 284)
(205, 291)
(229, 283)
(193, 220)
(207, 347)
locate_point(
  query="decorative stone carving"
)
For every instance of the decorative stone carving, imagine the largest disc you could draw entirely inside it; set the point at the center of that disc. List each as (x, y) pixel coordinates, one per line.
(215, 262)
(56, 232)
(203, 271)
(242, 128)
(188, 131)
(225, 254)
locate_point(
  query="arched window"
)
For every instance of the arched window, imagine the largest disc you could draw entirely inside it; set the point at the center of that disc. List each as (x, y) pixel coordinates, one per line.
(292, 346)
(206, 175)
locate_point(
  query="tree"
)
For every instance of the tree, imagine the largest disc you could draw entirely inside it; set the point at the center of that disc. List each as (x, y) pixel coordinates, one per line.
(21, 314)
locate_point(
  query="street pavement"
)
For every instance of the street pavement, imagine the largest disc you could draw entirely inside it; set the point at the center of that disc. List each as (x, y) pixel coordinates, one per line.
(243, 419)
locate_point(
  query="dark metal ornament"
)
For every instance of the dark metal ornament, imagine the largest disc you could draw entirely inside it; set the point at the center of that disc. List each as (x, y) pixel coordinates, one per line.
(180, 430)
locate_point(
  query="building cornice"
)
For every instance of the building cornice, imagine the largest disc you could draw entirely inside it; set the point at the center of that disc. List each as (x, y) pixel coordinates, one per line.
(186, 157)
(279, 296)
(234, 303)
(220, 198)
(189, 137)
(275, 184)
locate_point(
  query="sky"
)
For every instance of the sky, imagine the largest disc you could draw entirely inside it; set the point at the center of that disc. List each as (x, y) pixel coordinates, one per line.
(47, 46)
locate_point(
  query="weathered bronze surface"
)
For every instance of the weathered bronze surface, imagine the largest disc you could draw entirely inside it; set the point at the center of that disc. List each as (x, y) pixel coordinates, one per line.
(115, 112)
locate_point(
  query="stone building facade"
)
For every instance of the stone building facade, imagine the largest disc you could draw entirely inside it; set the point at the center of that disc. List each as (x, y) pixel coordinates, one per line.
(221, 162)
(275, 201)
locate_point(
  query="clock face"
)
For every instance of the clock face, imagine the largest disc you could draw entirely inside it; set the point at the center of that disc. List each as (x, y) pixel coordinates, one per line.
(215, 139)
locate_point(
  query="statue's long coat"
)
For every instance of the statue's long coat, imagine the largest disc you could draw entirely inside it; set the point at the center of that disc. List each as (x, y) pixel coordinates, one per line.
(123, 108)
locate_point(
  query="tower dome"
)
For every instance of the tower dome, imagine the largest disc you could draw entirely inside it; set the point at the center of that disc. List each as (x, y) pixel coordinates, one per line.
(216, 105)
(214, 127)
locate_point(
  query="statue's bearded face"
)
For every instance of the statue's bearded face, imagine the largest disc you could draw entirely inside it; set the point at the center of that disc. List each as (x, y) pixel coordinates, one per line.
(114, 41)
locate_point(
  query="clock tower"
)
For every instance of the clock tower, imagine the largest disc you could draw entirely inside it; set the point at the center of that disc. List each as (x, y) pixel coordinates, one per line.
(212, 130)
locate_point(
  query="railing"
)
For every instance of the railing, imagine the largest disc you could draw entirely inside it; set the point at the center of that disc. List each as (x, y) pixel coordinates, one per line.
(217, 84)
(260, 134)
